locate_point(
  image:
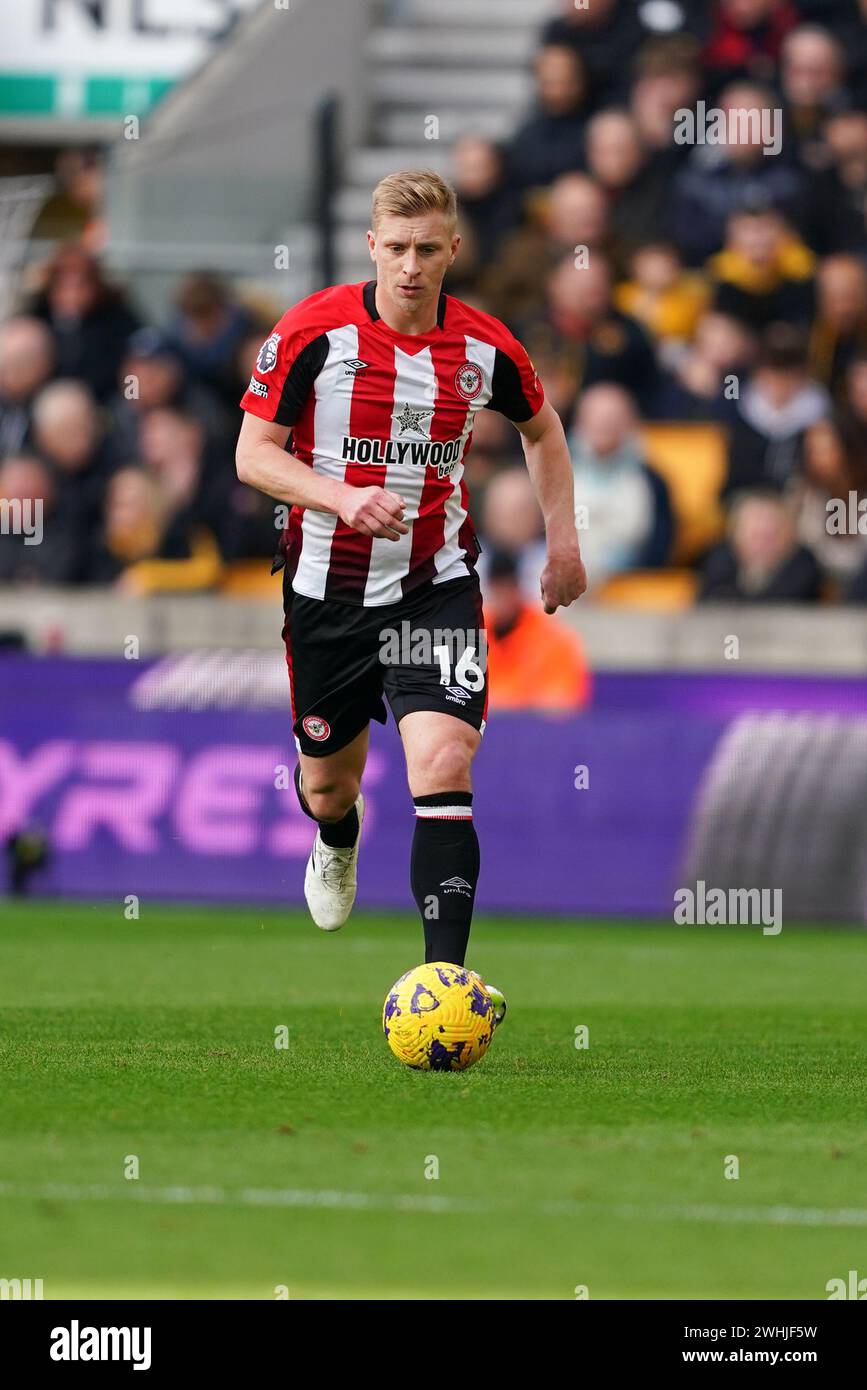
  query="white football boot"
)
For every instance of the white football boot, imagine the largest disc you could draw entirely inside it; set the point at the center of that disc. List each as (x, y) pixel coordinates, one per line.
(331, 880)
(498, 998)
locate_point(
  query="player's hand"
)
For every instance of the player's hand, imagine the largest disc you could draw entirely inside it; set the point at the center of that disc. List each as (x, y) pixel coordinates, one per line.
(374, 512)
(564, 579)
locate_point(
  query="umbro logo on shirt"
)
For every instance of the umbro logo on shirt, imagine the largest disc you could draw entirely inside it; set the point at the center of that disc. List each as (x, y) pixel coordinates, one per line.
(354, 365)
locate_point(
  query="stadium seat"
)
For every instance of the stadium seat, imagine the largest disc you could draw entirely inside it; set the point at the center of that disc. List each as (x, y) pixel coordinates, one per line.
(656, 591)
(692, 461)
(250, 579)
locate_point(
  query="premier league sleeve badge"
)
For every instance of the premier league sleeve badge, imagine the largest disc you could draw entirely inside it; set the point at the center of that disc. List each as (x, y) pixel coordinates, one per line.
(268, 354)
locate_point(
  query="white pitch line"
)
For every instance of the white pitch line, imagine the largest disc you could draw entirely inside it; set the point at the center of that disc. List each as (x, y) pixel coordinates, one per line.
(329, 1199)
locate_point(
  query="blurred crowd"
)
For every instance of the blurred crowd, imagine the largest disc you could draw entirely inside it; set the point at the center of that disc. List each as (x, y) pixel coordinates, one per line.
(662, 282)
(658, 278)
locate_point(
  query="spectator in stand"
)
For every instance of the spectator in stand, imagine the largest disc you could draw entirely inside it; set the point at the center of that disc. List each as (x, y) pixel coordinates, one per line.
(705, 383)
(511, 520)
(494, 446)
(534, 662)
(152, 376)
(763, 274)
(776, 408)
(746, 40)
(624, 511)
(574, 214)
(489, 206)
(840, 327)
(853, 34)
(667, 299)
(834, 467)
(207, 330)
(762, 560)
(607, 34)
(89, 319)
(812, 80)
(551, 141)
(719, 179)
(146, 547)
(856, 396)
(846, 146)
(172, 447)
(637, 194)
(75, 209)
(26, 364)
(581, 320)
(668, 80)
(46, 546)
(70, 437)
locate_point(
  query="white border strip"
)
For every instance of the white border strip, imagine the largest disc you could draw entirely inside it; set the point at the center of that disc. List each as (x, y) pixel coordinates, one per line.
(330, 1199)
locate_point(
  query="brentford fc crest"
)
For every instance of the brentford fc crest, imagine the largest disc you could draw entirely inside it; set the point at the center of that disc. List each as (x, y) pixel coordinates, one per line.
(316, 728)
(469, 380)
(268, 354)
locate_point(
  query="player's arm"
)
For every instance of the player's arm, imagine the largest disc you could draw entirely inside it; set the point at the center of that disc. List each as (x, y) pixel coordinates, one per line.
(564, 578)
(262, 462)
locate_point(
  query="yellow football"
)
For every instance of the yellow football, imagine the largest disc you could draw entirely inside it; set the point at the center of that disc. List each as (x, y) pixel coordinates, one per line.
(438, 1017)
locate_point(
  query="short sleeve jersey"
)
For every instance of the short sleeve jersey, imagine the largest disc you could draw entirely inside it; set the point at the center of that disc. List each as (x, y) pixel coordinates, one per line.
(369, 406)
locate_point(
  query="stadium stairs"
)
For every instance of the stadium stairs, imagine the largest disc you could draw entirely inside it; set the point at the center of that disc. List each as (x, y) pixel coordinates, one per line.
(442, 59)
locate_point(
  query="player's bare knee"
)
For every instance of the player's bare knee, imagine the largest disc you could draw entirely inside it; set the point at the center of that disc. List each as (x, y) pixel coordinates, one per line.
(447, 767)
(330, 800)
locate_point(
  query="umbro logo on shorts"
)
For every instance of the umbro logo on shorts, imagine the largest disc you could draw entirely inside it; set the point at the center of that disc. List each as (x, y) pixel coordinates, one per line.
(457, 692)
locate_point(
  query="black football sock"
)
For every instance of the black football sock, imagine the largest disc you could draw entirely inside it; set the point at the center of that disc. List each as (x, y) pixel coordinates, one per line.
(339, 834)
(444, 870)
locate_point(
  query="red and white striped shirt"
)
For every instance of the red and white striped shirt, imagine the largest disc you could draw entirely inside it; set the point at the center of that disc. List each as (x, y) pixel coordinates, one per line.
(374, 408)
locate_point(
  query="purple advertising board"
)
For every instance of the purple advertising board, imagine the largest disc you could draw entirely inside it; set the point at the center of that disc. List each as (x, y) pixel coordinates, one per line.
(198, 804)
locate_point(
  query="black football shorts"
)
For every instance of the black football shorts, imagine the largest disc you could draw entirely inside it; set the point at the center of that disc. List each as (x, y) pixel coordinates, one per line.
(426, 652)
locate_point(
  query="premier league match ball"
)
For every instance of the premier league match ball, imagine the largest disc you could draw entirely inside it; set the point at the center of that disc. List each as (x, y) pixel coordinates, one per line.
(438, 1017)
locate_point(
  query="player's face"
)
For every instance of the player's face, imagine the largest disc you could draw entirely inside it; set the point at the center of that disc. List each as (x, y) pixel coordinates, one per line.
(412, 256)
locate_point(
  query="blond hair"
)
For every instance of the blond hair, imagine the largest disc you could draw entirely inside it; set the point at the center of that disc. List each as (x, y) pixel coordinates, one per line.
(413, 192)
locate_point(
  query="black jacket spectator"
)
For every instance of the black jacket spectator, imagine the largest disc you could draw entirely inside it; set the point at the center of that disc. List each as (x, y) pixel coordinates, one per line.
(797, 580)
(89, 320)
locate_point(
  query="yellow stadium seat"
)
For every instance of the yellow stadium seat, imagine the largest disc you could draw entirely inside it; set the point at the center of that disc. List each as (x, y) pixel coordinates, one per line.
(692, 460)
(654, 591)
(250, 579)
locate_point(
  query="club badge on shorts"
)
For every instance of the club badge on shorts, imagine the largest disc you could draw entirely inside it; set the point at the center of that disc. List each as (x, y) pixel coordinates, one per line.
(469, 381)
(314, 727)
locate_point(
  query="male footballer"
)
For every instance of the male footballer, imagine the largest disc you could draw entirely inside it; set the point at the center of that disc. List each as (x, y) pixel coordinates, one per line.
(378, 385)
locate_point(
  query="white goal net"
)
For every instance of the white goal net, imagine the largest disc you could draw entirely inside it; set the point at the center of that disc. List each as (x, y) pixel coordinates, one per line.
(21, 199)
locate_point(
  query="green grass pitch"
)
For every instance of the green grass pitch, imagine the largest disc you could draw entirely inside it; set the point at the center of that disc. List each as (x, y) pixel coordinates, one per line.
(304, 1168)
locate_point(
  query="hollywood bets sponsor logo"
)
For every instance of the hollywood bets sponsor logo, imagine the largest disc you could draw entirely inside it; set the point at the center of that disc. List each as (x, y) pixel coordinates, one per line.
(317, 729)
(469, 381)
(442, 455)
